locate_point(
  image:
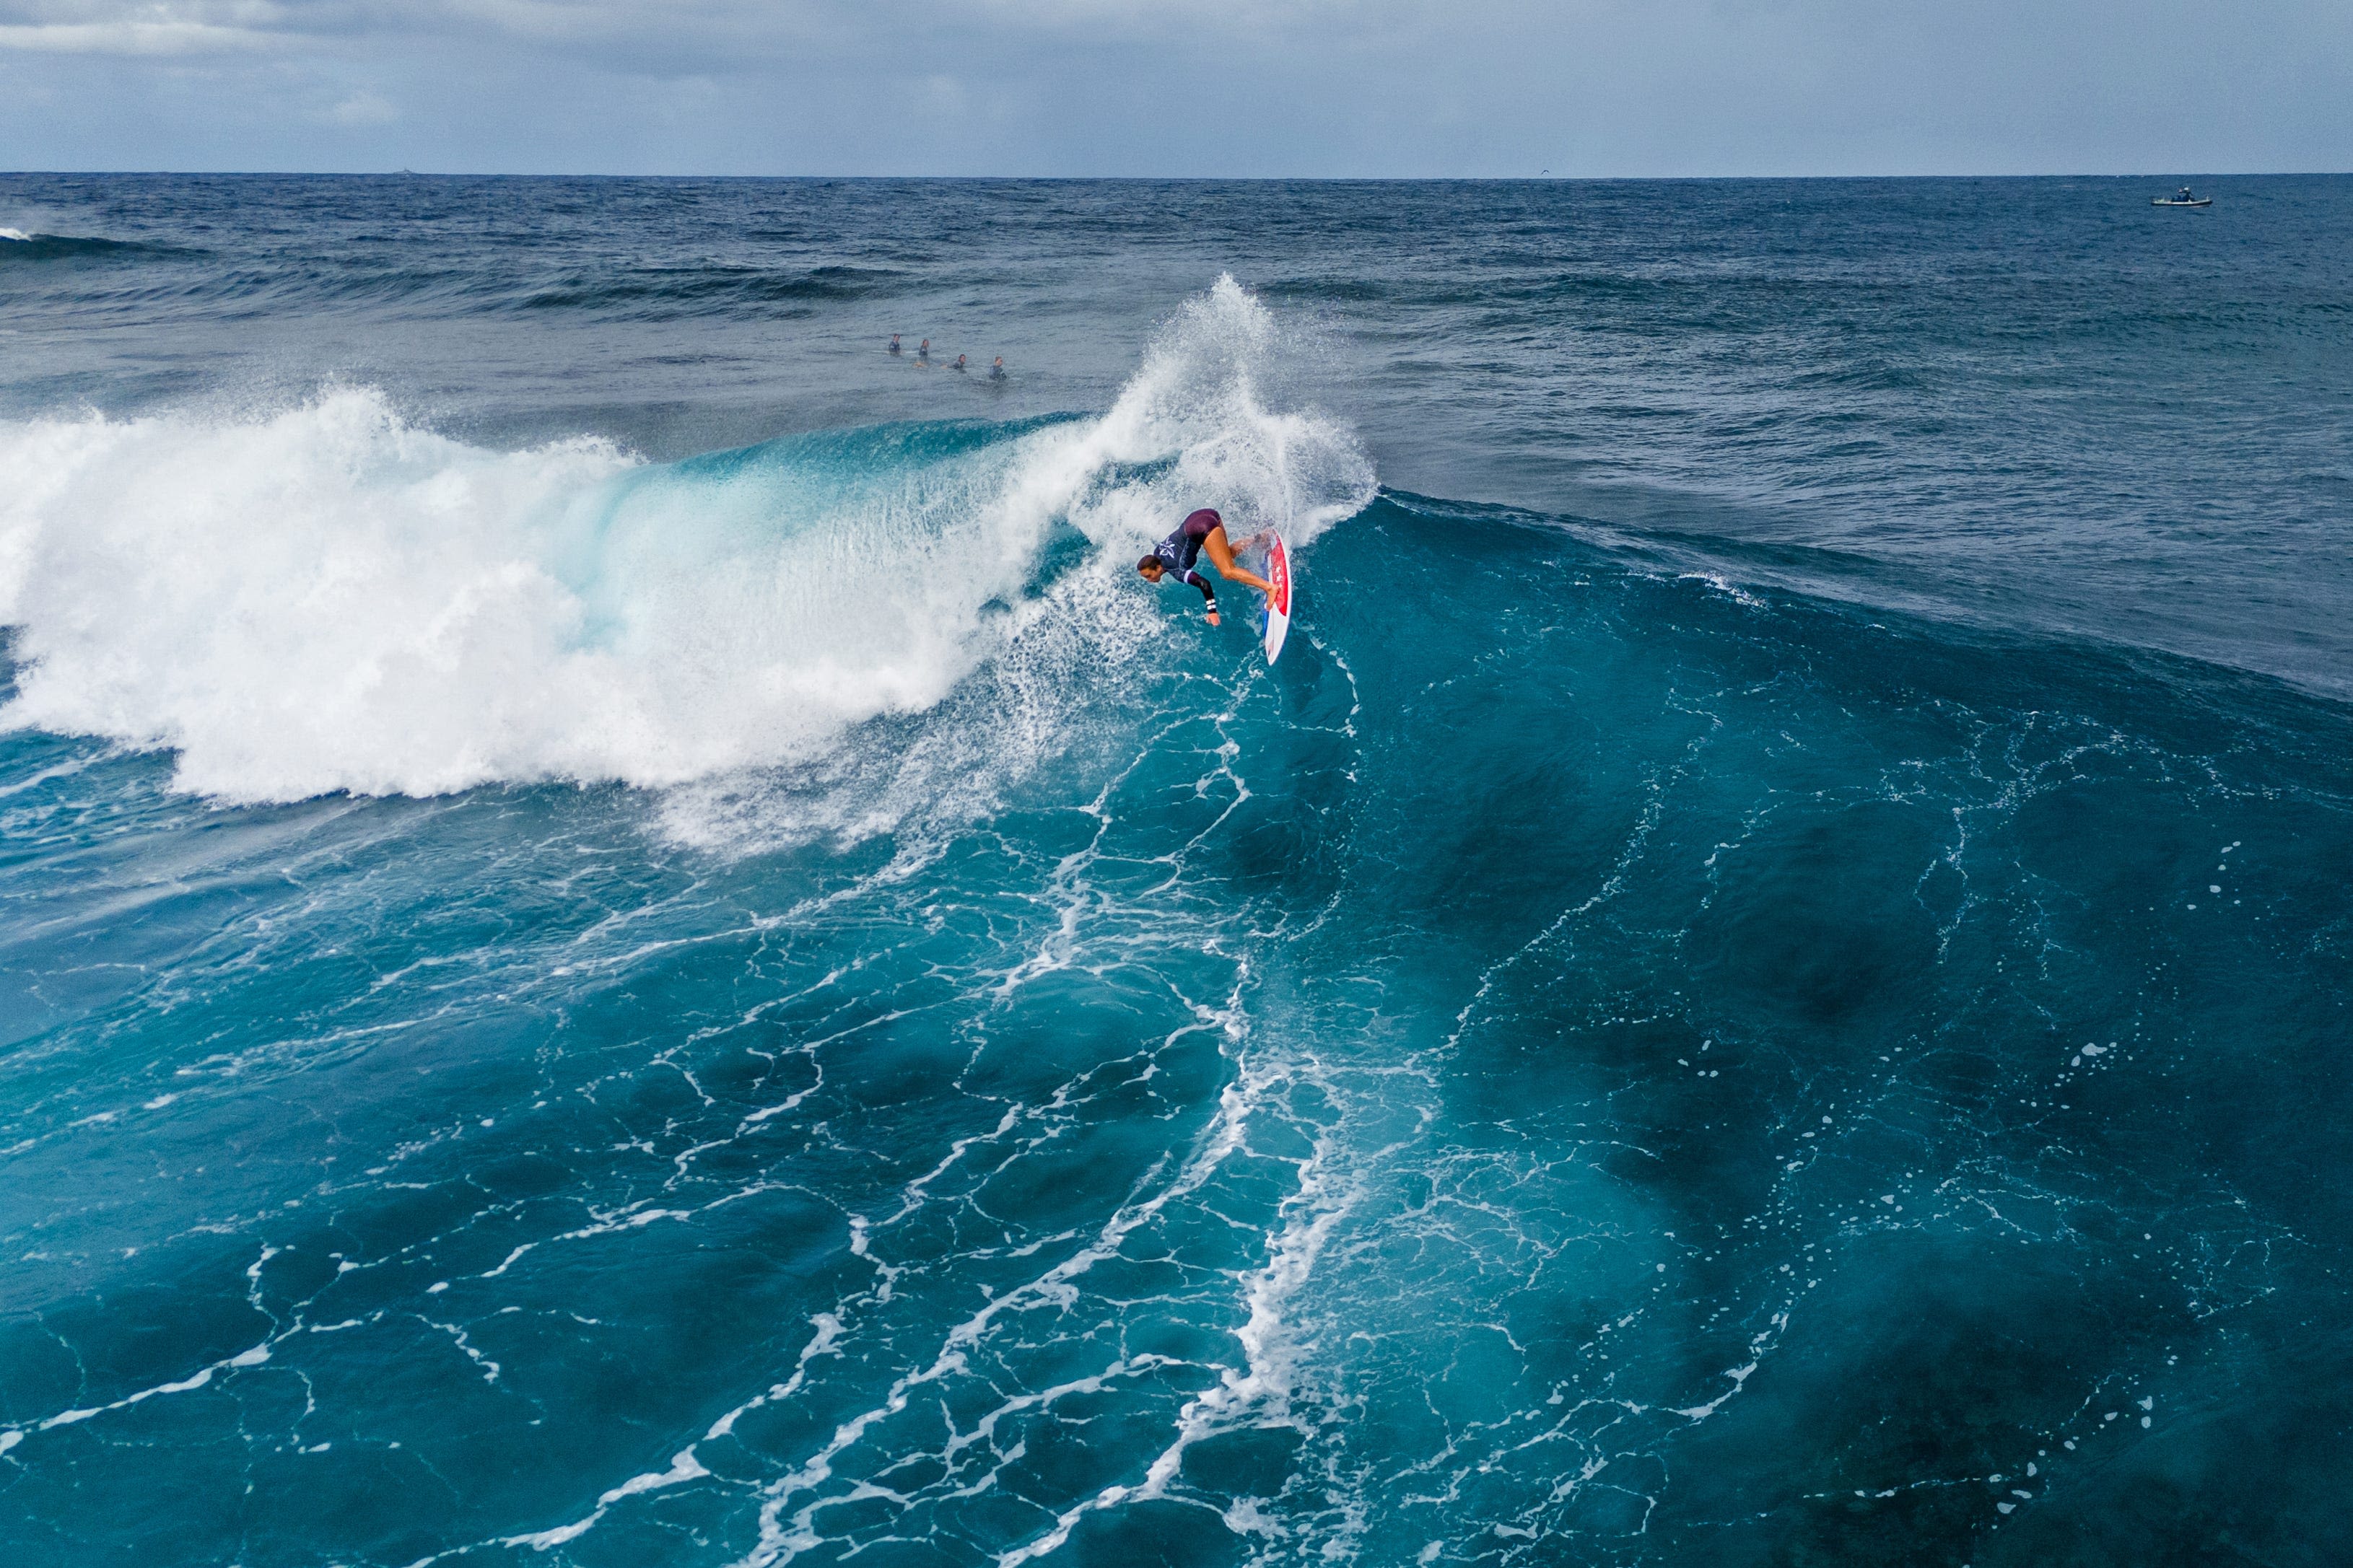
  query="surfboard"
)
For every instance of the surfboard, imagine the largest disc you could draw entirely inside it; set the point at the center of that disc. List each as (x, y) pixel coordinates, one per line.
(1276, 623)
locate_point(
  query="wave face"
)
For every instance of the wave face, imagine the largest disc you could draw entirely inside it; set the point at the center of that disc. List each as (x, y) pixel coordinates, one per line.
(584, 984)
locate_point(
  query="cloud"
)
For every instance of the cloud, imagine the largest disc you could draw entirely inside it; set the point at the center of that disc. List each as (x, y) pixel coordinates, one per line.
(1181, 87)
(109, 29)
(718, 35)
(365, 108)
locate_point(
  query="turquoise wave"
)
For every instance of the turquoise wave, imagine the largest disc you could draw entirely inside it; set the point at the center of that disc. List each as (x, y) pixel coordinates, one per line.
(1581, 1060)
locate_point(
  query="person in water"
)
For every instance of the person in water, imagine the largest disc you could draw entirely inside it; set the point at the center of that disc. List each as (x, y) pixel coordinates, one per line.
(1203, 530)
(924, 352)
(959, 363)
(997, 371)
(894, 342)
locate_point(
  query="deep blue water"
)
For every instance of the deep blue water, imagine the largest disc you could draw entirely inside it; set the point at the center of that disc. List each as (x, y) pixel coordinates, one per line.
(625, 938)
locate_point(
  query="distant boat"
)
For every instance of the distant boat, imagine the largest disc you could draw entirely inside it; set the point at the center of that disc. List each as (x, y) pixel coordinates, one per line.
(2181, 198)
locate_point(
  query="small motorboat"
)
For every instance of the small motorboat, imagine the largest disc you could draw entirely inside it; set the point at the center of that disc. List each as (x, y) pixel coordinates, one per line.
(2181, 198)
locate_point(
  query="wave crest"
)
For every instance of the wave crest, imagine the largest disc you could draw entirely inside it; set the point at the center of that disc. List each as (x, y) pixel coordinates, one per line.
(34, 244)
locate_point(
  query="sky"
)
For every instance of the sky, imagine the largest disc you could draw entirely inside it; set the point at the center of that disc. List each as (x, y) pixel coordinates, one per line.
(1236, 88)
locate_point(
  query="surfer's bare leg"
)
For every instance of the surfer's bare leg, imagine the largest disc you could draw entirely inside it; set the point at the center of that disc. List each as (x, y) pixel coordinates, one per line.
(1221, 556)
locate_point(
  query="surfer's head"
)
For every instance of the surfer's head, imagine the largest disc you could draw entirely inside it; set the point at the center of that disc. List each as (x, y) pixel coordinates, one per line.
(1151, 566)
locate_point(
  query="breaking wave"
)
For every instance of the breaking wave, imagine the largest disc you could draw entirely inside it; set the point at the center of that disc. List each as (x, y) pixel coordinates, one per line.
(332, 597)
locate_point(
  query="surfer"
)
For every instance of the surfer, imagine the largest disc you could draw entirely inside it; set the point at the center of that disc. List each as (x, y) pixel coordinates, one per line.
(1203, 530)
(997, 371)
(959, 363)
(894, 342)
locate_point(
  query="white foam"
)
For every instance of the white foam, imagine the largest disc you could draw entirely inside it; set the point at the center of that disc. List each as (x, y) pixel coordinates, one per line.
(255, 1356)
(1739, 1376)
(329, 597)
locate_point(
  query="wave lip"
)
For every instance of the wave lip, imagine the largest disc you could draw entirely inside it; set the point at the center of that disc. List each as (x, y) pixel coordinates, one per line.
(31, 245)
(331, 598)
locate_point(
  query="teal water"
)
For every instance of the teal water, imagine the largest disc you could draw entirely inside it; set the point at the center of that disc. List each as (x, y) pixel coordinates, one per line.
(574, 995)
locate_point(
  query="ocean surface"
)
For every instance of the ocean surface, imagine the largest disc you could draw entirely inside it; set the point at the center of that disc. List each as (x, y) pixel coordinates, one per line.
(626, 939)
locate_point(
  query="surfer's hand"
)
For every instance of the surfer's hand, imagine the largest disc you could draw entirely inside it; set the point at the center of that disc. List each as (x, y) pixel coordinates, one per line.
(1213, 618)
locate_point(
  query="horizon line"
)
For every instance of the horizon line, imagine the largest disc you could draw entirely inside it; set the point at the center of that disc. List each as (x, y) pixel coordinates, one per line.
(1542, 178)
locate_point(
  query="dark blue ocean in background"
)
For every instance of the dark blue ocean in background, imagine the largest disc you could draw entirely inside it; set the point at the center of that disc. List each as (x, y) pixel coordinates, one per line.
(626, 939)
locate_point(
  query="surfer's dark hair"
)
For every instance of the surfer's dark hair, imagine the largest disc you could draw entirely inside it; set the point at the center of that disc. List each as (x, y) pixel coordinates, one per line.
(1149, 562)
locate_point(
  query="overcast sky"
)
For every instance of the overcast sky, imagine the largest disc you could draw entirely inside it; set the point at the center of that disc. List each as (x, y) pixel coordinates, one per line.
(1180, 87)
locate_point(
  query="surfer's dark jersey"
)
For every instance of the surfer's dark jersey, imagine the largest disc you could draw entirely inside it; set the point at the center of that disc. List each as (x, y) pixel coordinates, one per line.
(1182, 548)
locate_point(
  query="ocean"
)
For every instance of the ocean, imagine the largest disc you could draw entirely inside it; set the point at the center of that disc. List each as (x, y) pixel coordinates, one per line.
(626, 939)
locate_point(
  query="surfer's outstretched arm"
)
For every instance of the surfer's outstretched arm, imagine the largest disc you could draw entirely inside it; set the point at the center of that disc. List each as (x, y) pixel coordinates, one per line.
(1155, 567)
(1209, 595)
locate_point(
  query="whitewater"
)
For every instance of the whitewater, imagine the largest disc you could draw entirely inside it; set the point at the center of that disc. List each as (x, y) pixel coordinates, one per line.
(626, 938)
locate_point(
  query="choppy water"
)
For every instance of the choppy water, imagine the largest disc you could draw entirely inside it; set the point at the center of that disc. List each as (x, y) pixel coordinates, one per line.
(625, 940)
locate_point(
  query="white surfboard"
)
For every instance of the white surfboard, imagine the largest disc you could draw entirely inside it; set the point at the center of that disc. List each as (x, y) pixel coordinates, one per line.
(1278, 604)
